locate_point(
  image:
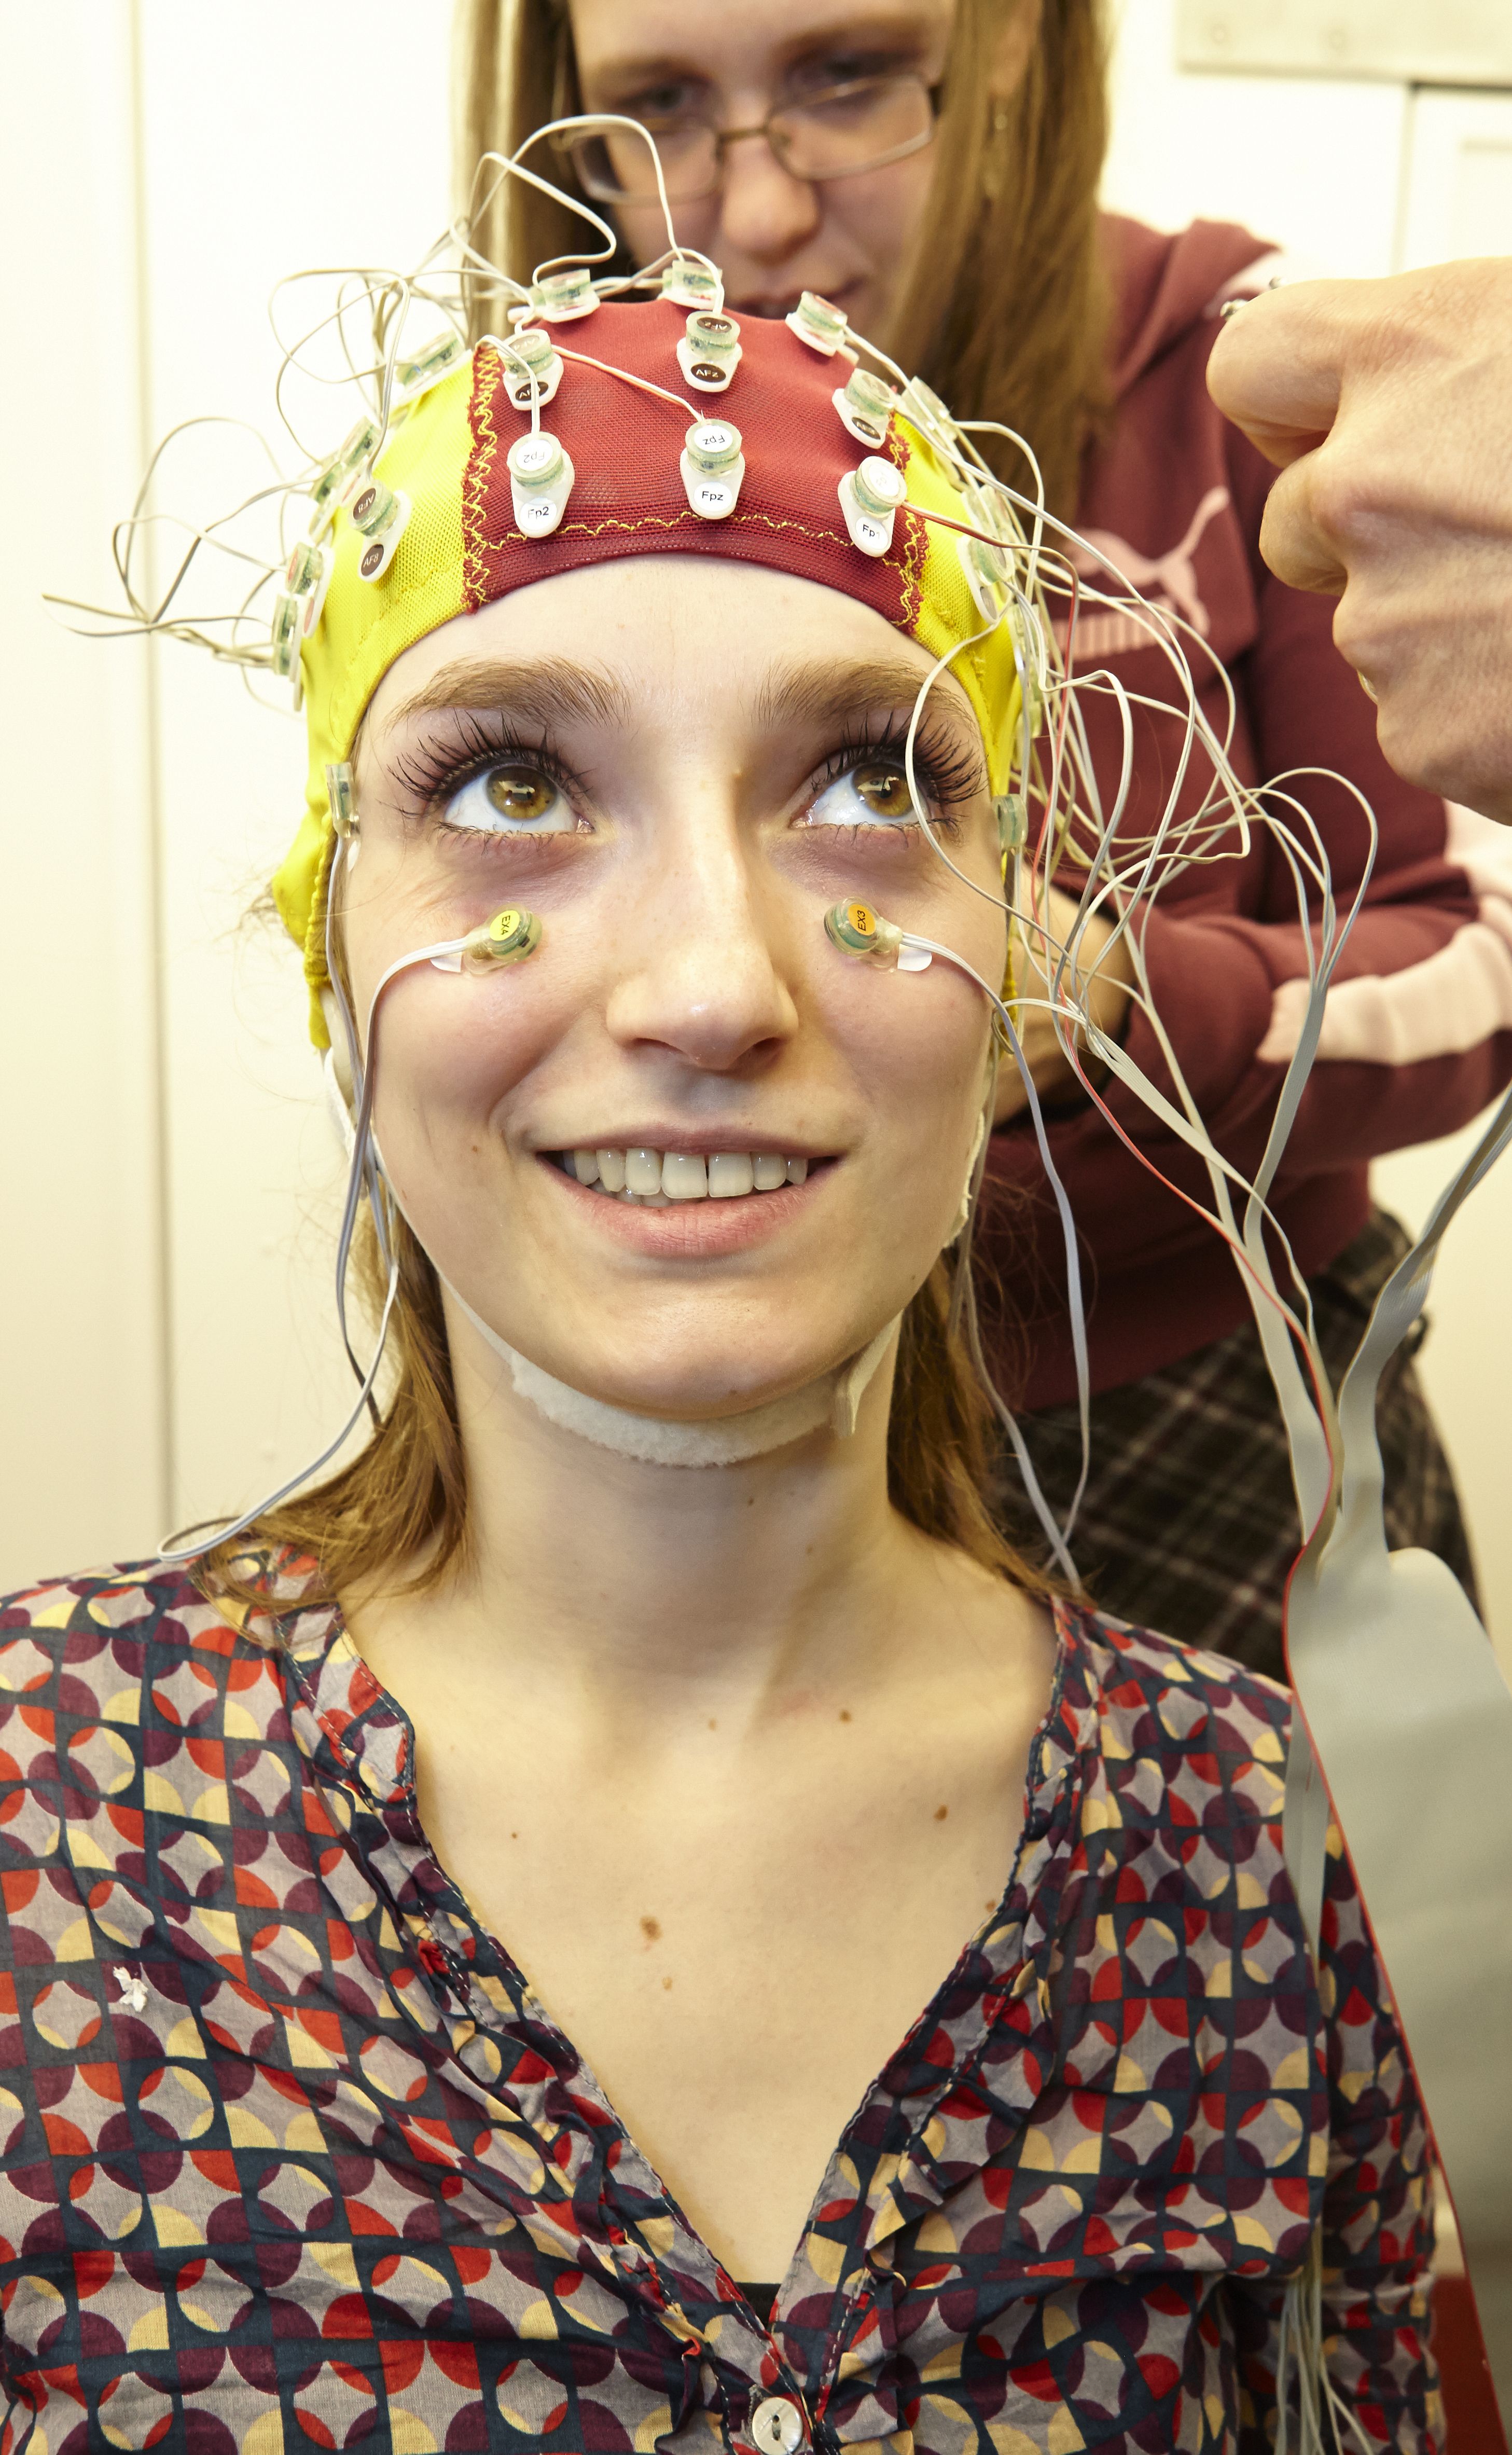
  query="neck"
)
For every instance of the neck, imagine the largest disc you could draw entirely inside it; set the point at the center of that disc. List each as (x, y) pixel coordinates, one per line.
(641, 1593)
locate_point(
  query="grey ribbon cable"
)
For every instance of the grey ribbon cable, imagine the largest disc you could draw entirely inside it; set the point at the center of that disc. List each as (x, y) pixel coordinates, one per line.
(1410, 1717)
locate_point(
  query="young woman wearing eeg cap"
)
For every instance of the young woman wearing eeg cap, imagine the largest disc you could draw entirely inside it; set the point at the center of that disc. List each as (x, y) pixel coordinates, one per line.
(630, 1916)
(978, 256)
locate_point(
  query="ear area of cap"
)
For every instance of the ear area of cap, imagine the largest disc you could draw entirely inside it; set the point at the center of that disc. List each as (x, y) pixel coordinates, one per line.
(947, 614)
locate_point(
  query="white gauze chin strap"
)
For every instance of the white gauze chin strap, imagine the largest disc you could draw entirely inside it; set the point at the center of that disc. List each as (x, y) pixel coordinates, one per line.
(832, 1403)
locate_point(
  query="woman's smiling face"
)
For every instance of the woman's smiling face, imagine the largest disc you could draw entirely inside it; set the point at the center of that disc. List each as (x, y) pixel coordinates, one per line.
(679, 765)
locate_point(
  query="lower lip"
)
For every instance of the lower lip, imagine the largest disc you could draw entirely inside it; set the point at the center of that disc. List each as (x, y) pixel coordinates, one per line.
(693, 1231)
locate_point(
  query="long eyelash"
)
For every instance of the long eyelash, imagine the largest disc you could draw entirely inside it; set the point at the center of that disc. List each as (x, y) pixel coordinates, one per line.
(948, 772)
(435, 771)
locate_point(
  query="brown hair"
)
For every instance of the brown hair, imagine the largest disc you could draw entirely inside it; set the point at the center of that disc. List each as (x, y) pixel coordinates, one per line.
(1006, 313)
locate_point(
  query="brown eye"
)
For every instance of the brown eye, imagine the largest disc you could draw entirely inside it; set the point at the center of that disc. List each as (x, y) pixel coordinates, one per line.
(521, 794)
(884, 792)
(872, 794)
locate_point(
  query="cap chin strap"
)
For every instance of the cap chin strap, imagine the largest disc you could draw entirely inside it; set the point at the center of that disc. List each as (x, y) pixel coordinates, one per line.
(829, 1404)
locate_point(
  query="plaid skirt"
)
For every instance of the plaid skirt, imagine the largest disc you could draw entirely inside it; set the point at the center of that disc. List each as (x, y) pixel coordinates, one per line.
(1189, 1522)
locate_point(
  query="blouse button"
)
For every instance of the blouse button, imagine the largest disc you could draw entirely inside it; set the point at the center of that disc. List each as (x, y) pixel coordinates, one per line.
(777, 2426)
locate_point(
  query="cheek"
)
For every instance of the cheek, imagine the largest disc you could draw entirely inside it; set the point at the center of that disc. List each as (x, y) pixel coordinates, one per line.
(916, 1045)
(454, 1052)
(883, 209)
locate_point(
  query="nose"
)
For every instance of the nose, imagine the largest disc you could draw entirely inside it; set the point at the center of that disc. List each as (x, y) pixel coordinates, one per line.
(765, 212)
(701, 980)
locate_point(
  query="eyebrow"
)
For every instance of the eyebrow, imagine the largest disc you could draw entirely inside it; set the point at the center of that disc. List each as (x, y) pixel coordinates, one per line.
(544, 690)
(552, 690)
(901, 31)
(809, 694)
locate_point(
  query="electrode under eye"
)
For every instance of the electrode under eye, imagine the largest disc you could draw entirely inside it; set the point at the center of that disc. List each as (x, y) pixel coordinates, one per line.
(859, 929)
(541, 479)
(709, 351)
(509, 938)
(711, 468)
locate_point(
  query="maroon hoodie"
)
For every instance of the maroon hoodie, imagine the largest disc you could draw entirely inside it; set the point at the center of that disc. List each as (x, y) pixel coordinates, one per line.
(1418, 1034)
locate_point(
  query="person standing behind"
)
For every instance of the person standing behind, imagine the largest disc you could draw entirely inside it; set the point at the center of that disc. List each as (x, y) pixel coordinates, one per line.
(933, 171)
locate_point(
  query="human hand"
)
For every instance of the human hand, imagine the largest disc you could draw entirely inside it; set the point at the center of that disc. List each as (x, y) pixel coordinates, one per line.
(1388, 406)
(1106, 991)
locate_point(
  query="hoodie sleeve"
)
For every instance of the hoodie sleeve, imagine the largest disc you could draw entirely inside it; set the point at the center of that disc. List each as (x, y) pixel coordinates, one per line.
(1417, 1035)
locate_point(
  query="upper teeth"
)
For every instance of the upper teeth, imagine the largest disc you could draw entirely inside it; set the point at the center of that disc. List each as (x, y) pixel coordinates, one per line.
(684, 1176)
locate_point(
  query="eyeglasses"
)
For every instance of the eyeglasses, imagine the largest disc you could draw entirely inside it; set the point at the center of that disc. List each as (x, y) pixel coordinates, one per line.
(832, 134)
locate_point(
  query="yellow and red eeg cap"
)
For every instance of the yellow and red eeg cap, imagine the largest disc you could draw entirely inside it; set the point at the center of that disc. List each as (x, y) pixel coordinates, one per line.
(463, 548)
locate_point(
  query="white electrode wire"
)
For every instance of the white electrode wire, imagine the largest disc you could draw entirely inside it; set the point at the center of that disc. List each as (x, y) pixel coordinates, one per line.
(512, 167)
(340, 867)
(508, 350)
(617, 119)
(177, 1553)
(642, 383)
(355, 1175)
(1056, 1537)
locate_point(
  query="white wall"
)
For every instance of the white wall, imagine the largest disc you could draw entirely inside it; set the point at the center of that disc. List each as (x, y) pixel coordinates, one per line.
(83, 1447)
(166, 1334)
(167, 1324)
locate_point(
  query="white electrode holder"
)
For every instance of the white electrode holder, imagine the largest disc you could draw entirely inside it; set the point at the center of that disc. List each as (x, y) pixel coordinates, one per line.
(988, 574)
(865, 406)
(415, 376)
(308, 577)
(870, 497)
(531, 367)
(709, 351)
(378, 543)
(713, 468)
(685, 284)
(541, 479)
(564, 297)
(819, 325)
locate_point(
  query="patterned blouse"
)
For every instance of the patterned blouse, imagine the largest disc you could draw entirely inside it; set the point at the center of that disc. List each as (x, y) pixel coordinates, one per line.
(292, 2158)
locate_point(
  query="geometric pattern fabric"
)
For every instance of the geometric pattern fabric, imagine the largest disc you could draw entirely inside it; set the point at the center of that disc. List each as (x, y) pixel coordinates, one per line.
(292, 2159)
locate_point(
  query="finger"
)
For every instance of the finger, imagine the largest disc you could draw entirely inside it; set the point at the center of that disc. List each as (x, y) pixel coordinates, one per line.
(1275, 366)
(1291, 540)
